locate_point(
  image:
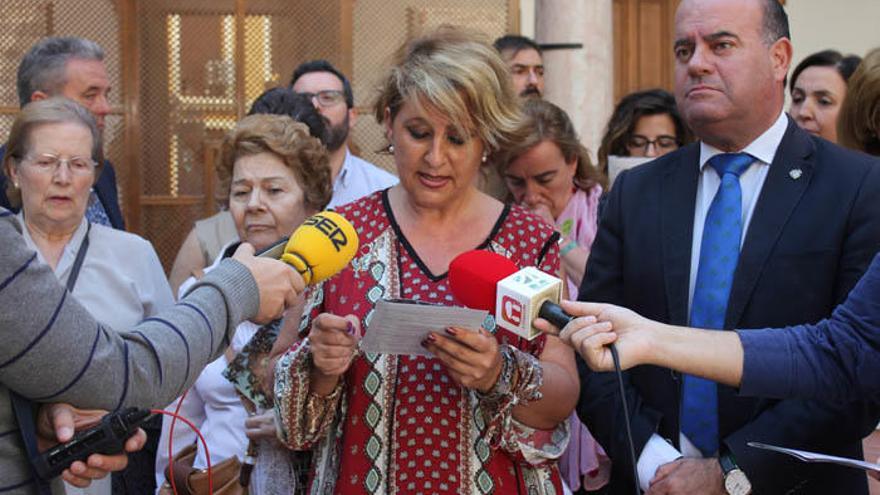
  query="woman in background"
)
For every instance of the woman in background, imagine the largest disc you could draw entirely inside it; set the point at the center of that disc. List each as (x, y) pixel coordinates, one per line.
(859, 119)
(644, 124)
(550, 173)
(210, 235)
(276, 175)
(818, 88)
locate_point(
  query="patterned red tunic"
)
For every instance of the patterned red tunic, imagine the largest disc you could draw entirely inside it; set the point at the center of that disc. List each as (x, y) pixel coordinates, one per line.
(400, 424)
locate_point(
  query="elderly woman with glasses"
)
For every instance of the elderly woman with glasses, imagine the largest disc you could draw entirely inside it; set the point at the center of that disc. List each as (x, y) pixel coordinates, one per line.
(53, 159)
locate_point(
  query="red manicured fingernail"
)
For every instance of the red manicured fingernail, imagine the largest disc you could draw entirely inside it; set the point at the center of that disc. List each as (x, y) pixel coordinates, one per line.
(451, 331)
(349, 328)
(431, 338)
(425, 343)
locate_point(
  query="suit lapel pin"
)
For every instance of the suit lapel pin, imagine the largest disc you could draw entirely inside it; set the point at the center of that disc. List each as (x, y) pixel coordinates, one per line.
(795, 173)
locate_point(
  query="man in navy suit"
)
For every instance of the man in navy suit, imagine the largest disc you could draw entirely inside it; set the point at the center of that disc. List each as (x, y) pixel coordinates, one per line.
(74, 68)
(757, 225)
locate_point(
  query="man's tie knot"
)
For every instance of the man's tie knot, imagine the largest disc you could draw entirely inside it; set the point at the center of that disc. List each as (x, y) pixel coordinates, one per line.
(731, 163)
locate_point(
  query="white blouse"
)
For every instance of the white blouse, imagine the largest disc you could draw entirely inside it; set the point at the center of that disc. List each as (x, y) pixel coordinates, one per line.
(212, 405)
(121, 280)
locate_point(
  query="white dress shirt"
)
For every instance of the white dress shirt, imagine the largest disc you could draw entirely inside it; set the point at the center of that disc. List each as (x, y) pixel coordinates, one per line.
(658, 451)
(358, 178)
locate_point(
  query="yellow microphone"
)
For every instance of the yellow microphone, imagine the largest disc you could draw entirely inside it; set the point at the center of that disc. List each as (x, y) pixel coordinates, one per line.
(320, 248)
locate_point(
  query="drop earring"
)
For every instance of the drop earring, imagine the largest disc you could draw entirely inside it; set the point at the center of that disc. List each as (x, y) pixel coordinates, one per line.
(390, 148)
(485, 157)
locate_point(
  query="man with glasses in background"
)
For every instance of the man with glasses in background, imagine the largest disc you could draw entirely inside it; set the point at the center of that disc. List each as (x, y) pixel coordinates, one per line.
(330, 91)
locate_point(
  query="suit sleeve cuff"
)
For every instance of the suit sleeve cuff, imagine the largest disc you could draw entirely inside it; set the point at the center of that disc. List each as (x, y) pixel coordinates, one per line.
(656, 453)
(764, 364)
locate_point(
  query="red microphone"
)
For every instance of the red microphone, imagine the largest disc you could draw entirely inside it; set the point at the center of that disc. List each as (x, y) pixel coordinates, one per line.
(474, 275)
(491, 282)
(479, 280)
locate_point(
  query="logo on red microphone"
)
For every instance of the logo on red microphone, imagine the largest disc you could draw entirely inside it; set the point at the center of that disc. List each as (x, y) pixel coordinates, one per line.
(511, 311)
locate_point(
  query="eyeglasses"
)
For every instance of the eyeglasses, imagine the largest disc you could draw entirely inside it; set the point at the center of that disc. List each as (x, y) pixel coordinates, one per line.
(641, 142)
(47, 163)
(326, 98)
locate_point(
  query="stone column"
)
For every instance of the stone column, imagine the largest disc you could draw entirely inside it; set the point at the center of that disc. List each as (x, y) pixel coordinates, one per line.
(579, 80)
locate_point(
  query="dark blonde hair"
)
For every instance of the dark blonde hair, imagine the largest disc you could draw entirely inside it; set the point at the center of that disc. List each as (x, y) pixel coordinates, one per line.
(55, 110)
(290, 141)
(626, 115)
(858, 123)
(545, 121)
(459, 74)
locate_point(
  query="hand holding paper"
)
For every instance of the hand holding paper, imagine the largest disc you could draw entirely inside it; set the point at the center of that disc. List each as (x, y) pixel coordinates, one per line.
(399, 327)
(472, 358)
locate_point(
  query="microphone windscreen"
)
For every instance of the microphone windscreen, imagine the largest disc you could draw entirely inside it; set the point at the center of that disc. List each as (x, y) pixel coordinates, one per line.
(321, 247)
(474, 277)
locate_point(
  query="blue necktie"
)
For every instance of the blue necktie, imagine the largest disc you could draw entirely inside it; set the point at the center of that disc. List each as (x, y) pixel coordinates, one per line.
(719, 252)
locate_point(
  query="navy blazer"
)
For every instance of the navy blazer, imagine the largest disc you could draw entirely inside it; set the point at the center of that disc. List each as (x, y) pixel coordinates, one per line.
(809, 241)
(105, 189)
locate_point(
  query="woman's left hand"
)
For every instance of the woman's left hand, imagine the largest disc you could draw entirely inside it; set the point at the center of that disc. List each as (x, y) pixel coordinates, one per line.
(472, 358)
(261, 426)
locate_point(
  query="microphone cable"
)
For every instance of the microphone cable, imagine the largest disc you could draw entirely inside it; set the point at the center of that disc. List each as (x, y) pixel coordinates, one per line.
(629, 436)
(553, 313)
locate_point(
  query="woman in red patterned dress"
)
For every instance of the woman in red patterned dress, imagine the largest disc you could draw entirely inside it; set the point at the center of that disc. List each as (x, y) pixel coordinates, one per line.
(485, 413)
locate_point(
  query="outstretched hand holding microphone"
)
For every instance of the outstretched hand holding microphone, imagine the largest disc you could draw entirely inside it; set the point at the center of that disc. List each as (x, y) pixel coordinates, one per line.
(596, 326)
(321, 247)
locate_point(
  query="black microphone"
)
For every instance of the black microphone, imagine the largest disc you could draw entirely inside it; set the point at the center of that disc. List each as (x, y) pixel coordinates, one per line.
(107, 437)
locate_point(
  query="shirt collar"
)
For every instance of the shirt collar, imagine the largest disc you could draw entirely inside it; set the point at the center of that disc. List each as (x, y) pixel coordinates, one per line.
(763, 148)
(70, 250)
(343, 172)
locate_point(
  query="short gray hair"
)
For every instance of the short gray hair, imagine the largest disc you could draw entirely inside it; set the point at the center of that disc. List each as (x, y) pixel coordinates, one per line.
(43, 66)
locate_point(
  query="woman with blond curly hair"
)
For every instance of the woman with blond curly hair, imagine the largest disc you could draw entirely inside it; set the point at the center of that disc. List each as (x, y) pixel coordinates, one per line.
(481, 410)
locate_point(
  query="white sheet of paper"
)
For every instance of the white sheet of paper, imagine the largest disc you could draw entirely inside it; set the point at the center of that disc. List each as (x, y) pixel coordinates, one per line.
(617, 164)
(803, 455)
(400, 327)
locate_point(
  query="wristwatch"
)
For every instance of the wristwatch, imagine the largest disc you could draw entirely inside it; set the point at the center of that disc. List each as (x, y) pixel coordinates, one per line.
(735, 480)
